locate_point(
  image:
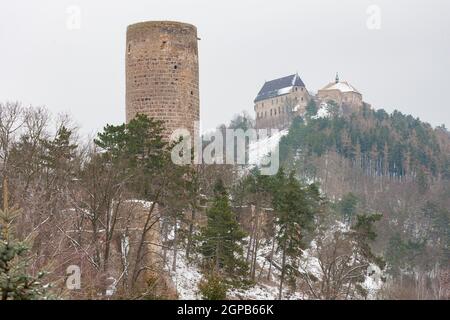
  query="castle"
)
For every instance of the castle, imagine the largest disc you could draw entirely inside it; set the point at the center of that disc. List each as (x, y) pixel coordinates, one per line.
(162, 82)
(343, 94)
(281, 100)
(162, 76)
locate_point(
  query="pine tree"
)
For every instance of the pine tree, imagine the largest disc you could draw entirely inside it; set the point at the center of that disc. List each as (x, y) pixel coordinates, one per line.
(311, 109)
(15, 282)
(364, 234)
(295, 208)
(213, 287)
(221, 240)
(347, 207)
(60, 150)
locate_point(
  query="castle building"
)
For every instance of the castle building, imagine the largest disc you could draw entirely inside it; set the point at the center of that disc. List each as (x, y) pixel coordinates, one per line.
(343, 94)
(162, 76)
(279, 101)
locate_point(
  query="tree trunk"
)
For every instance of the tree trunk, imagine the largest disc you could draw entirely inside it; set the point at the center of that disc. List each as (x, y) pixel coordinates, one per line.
(283, 269)
(190, 235)
(175, 246)
(269, 274)
(255, 246)
(252, 234)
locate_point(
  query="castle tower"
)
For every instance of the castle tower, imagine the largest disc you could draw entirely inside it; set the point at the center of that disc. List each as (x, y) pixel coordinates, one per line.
(162, 73)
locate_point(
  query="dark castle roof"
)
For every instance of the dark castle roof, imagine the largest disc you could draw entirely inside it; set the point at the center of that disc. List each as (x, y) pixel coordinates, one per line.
(274, 88)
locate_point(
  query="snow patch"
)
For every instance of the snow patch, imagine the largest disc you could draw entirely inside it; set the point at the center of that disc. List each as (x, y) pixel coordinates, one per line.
(323, 111)
(260, 148)
(145, 204)
(284, 91)
(186, 278)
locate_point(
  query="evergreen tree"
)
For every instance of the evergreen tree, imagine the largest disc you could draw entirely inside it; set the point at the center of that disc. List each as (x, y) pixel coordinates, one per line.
(311, 109)
(347, 207)
(58, 158)
(213, 287)
(140, 158)
(138, 150)
(364, 234)
(221, 239)
(294, 207)
(60, 150)
(15, 282)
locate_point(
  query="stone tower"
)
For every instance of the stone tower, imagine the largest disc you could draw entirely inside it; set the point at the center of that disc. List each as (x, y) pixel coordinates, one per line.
(162, 73)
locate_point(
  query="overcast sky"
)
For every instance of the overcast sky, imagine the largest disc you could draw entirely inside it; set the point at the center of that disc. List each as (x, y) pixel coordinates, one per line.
(45, 59)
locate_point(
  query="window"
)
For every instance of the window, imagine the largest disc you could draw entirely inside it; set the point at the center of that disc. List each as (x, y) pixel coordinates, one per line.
(129, 48)
(296, 89)
(270, 112)
(302, 88)
(279, 110)
(302, 98)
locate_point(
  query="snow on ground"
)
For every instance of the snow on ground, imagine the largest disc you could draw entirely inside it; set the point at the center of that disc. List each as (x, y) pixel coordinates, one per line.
(310, 264)
(322, 112)
(263, 291)
(373, 282)
(145, 204)
(185, 278)
(187, 275)
(260, 148)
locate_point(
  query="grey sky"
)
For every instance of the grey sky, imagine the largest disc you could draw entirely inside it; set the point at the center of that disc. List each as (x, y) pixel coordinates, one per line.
(405, 65)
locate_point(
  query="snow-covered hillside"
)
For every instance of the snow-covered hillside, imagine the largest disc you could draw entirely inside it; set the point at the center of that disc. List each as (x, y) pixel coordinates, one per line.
(188, 275)
(262, 147)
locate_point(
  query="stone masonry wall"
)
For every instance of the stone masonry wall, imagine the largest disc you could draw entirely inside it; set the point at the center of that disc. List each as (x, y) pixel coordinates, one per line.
(162, 73)
(277, 113)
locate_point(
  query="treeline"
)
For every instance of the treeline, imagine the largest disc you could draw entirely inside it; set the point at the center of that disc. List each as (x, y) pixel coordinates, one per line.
(382, 144)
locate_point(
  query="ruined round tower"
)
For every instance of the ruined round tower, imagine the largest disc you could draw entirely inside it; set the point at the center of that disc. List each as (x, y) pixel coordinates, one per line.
(162, 73)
